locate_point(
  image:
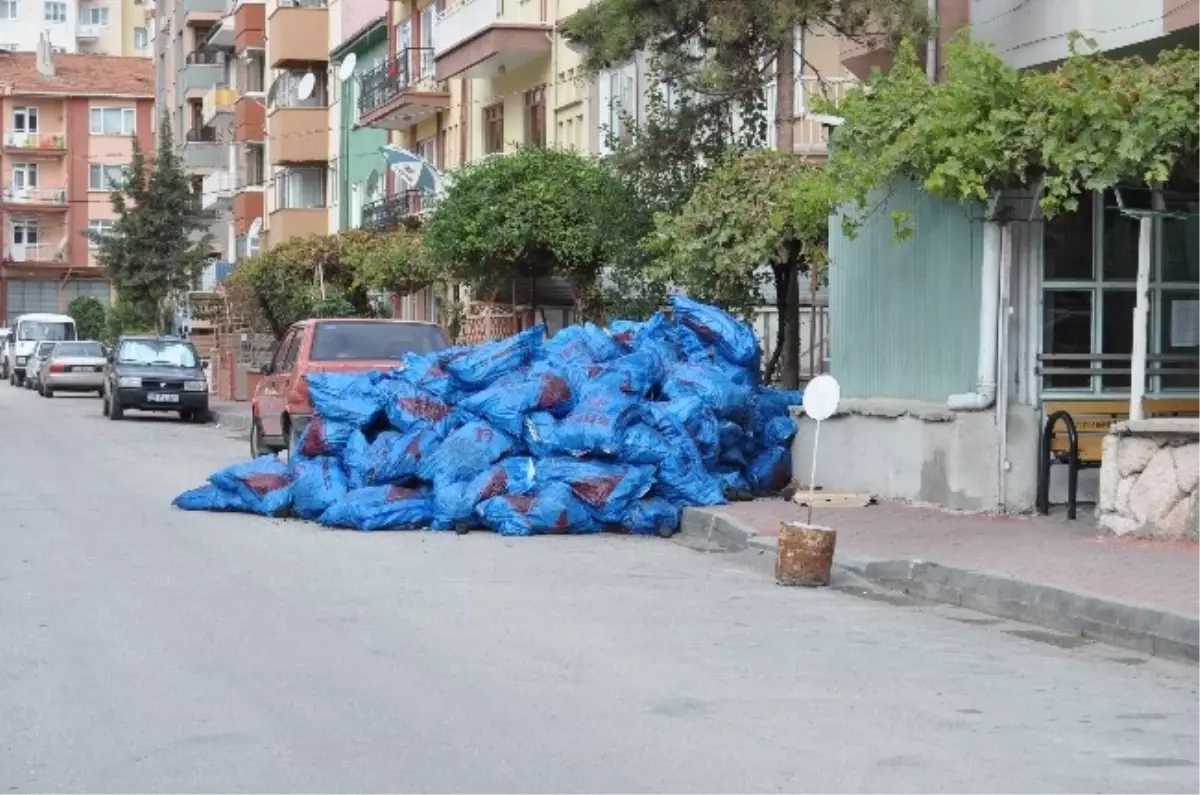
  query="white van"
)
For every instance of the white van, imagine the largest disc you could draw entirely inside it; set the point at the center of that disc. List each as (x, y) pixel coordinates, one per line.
(27, 332)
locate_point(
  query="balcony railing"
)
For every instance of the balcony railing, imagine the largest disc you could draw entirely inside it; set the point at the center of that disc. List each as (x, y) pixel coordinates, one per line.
(219, 100)
(15, 195)
(53, 142)
(208, 57)
(88, 31)
(35, 252)
(392, 211)
(201, 135)
(383, 84)
(217, 190)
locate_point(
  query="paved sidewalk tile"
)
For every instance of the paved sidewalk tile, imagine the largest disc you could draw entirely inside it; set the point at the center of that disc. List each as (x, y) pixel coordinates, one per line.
(1070, 555)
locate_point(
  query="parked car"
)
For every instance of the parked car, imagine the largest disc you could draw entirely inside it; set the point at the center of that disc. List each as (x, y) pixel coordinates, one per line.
(33, 366)
(6, 335)
(280, 409)
(153, 373)
(27, 332)
(72, 367)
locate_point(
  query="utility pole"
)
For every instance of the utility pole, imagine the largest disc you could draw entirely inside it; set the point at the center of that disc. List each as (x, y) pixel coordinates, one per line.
(785, 135)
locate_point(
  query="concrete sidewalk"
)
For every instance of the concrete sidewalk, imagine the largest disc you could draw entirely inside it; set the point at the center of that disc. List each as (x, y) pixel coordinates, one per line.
(1046, 571)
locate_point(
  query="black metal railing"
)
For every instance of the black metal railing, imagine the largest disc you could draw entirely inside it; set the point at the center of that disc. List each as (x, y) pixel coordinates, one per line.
(206, 135)
(386, 82)
(210, 57)
(393, 211)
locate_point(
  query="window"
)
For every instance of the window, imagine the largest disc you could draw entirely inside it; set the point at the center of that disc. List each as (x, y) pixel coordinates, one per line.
(285, 92)
(428, 22)
(151, 351)
(254, 166)
(427, 150)
(25, 176)
(56, 11)
(493, 129)
(8, 9)
(112, 121)
(378, 341)
(141, 38)
(284, 354)
(535, 116)
(26, 233)
(25, 120)
(403, 36)
(255, 71)
(300, 188)
(98, 229)
(94, 15)
(105, 178)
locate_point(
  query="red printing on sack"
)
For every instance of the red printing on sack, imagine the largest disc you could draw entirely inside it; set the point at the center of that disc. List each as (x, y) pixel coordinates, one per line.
(497, 484)
(264, 483)
(596, 491)
(555, 390)
(400, 494)
(425, 408)
(520, 502)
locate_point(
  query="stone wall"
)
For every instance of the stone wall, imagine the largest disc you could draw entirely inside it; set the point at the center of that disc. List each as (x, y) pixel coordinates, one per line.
(1148, 477)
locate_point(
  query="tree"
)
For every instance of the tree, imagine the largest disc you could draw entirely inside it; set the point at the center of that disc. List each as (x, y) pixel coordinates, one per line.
(89, 316)
(534, 213)
(396, 263)
(760, 216)
(1088, 124)
(158, 245)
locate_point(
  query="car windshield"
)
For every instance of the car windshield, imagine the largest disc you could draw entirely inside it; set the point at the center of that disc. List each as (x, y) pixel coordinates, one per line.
(169, 353)
(44, 348)
(382, 341)
(38, 330)
(65, 349)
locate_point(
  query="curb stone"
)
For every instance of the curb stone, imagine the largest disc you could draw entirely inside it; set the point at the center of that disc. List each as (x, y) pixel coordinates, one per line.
(1160, 633)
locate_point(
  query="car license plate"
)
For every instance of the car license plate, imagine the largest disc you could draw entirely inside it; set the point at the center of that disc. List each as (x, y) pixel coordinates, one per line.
(162, 397)
(82, 369)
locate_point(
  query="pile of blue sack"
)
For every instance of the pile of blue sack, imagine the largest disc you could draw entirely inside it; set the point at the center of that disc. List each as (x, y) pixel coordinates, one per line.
(590, 430)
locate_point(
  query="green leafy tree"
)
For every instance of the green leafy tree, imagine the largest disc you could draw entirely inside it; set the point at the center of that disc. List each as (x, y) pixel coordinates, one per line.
(89, 316)
(534, 213)
(761, 217)
(158, 245)
(396, 263)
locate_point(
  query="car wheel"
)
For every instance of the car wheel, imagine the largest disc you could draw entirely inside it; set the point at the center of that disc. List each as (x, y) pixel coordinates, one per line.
(115, 412)
(47, 392)
(257, 448)
(185, 415)
(200, 416)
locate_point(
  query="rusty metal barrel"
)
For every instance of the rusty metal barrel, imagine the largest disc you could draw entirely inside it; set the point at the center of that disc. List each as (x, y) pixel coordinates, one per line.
(805, 554)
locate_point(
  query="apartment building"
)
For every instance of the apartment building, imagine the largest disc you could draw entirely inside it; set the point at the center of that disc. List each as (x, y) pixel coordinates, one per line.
(67, 122)
(102, 27)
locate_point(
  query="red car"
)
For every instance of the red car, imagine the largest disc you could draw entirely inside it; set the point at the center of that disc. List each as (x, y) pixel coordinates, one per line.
(280, 409)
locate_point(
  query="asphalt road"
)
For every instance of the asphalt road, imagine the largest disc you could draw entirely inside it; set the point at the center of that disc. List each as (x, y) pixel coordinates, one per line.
(145, 649)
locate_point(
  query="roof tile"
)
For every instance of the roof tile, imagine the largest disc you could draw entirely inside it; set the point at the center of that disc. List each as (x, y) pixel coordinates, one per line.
(78, 74)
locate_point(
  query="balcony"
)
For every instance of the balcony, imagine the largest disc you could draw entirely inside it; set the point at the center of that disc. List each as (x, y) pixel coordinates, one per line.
(200, 12)
(481, 38)
(218, 105)
(48, 199)
(249, 119)
(222, 36)
(393, 211)
(36, 253)
(299, 33)
(297, 128)
(249, 25)
(810, 137)
(288, 222)
(88, 32)
(248, 203)
(23, 143)
(201, 152)
(217, 190)
(202, 70)
(401, 91)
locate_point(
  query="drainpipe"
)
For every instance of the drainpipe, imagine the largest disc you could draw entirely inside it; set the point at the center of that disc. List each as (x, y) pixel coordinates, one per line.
(989, 306)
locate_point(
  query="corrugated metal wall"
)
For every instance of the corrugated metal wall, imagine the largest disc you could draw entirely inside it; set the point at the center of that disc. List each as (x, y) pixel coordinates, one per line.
(904, 315)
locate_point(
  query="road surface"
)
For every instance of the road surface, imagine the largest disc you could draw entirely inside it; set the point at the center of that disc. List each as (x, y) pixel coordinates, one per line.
(145, 649)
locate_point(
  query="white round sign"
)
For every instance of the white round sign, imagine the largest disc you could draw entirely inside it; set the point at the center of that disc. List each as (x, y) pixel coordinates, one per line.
(821, 397)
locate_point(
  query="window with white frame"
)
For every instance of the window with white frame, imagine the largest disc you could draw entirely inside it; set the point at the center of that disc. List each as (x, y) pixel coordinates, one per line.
(55, 11)
(25, 120)
(94, 15)
(105, 178)
(8, 9)
(98, 228)
(26, 233)
(300, 188)
(24, 177)
(113, 121)
(141, 38)
(1089, 270)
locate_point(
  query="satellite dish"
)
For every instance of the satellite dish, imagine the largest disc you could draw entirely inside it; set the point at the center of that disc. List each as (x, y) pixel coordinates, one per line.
(347, 67)
(307, 84)
(255, 228)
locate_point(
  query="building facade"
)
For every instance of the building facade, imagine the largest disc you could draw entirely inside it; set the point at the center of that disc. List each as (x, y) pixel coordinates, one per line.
(100, 27)
(67, 123)
(954, 346)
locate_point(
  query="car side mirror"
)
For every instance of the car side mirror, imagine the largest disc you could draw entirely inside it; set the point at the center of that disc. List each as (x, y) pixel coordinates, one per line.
(265, 369)
(109, 358)
(204, 364)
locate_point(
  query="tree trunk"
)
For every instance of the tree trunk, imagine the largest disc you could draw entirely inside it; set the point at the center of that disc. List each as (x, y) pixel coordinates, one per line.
(789, 302)
(789, 327)
(785, 94)
(781, 277)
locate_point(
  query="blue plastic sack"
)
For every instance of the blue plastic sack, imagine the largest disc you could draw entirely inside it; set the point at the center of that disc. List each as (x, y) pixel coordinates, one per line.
(634, 374)
(586, 343)
(554, 509)
(651, 516)
(506, 404)
(316, 484)
(483, 364)
(380, 508)
(733, 339)
(392, 458)
(596, 424)
(454, 504)
(608, 489)
(428, 371)
(351, 398)
(778, 431)
(681, 473)
(771, 471)
(325, 437)
(211, 498)
(728, 391)
(410, 407)
(263, 484)
(624, 332)
(699, 421)
(540, 433)
(733, 481)
(465, 453)
(729, 434)
(641, 444)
